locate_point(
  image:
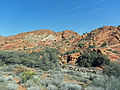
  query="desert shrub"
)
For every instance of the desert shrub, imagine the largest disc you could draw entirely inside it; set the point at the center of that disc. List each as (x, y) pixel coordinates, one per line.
(64, 66)
(112, 69)
(94, 88)
(29, 83)
(109, 49)
(67, 41)
(48, 61)
(68, 52)
(2, 63)
(27, 75)
(83, 80)
(3, 87)
(7, 69)
(104, 44)
(100, 28)
(1, 46)
(34, 88)
(12, 57)
(70, 86)
(50, 72)
(34, 81)
(11, 86)
(88, 37)
(45, 82)
(92, 59)
(52, 87)
(108, 83)
(93, 33)
(56, 79)
(80, 73)
(87, 49)
(84, 33)
(2, 79)
(5, 79)
(115, 52)
(80, 45)
(75, 73)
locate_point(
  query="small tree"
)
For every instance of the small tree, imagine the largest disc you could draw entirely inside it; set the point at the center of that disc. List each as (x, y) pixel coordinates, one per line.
(92, 59)
(80, 45)
(104, 44)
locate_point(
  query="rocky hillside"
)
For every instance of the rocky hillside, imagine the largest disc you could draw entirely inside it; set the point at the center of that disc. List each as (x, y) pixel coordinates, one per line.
(104, 40)
(37, 40)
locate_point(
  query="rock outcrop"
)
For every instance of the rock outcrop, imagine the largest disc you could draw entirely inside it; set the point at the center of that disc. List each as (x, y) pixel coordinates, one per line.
(104, 40)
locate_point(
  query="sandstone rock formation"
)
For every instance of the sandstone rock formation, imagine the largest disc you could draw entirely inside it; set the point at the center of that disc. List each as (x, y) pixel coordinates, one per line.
(104, 40)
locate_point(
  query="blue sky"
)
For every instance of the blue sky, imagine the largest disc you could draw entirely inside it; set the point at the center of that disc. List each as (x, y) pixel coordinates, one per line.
(17, 16)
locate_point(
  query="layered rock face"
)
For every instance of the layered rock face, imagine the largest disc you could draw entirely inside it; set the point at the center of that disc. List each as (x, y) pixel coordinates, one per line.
(109, 34)
(104, 40)
(36, 39)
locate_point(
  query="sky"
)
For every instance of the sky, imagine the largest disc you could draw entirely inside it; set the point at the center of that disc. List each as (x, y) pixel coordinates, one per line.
(18, 16)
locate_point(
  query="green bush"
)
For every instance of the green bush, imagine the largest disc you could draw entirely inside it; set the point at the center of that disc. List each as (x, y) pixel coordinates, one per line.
(109, 49)
(12, 86)
(34, 88)
(27, 75)
(94, 88)
(67, 41)
(112, 69)
(104, 44)
(52, 87)
(80, 45)
(92, 60)
(0, 46)
(105, 82)
(70, 86)
(115, 52)
(12, 57)
(64, 66)
(48, 60)
(100, 28)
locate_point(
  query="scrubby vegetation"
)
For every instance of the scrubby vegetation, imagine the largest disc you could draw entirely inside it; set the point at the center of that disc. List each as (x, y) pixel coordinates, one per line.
(104, 44)
(55, 80)
(115, 52)
(27, 75)
(44, 60)
(80, 45)
(92, 46)
(106, 83)
(92, 60)
(112, 69)
(41, 71)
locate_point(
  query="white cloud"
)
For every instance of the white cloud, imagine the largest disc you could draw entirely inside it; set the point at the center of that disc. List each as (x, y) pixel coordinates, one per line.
(96, 10)
(74, 8)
